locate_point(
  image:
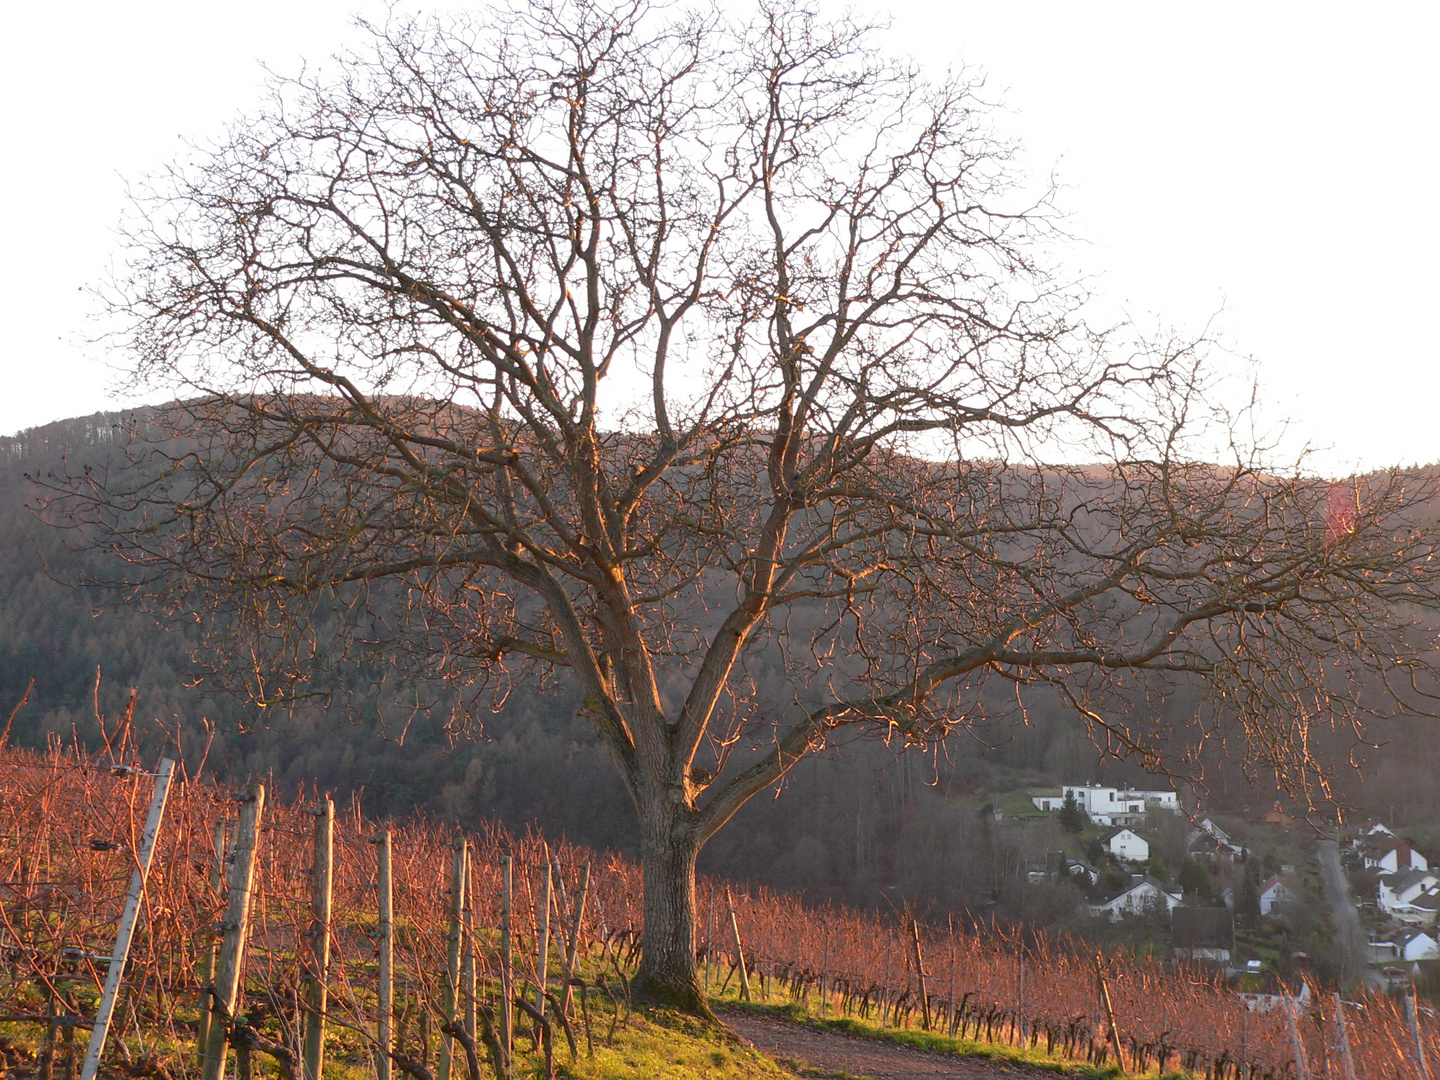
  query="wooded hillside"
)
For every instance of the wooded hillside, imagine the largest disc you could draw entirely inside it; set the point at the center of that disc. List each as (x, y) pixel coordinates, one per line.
(859, 824)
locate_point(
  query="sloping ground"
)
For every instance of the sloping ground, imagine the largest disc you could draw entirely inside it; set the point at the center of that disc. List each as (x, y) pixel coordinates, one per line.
(1347, 920)
(834, 1053)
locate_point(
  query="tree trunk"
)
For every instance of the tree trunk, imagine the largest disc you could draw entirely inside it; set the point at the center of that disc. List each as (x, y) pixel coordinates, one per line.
(667, 960)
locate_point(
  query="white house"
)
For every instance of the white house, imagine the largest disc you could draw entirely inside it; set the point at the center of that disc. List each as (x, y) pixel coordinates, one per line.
(1126, 844)
(1075, 868)
(1372, 832)
(1144, 894)
(1274, 892)
(1209, 827)
(1400, 889)
(1108, 805)
(1209, 841)
(1048, 799)
(1264, 1003)
(1389, 854)
(1410, 895)
(1418, 945)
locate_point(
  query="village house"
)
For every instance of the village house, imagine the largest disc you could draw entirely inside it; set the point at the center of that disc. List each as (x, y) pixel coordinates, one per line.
(1144, 894)
(1368, 832)
(1277, 817)
(1409, 895)
(1126, 844)
(1209, 849)
(1209, 841)
(1209, 828)
(1274, 892)
(1107, 806)
(1389, 854)
(1418, 945)
(1280, 994)
(1047, 799)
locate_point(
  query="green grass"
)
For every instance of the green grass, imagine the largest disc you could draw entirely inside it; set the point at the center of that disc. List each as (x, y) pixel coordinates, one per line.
(661, 1042)
(1017, 804)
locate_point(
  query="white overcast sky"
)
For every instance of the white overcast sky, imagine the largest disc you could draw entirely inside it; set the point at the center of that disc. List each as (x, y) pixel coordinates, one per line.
(1272, 163)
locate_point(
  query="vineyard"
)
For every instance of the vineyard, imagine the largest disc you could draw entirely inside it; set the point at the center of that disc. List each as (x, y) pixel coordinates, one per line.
(292, 930)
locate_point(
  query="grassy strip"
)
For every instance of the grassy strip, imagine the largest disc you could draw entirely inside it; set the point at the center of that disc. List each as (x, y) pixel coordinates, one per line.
(935, 1043)
(661, 1042)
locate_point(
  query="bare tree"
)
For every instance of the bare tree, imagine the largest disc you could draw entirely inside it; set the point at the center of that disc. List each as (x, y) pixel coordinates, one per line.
(717, 368)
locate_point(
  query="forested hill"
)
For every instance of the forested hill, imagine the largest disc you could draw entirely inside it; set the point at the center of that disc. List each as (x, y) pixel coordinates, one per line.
(853, 824)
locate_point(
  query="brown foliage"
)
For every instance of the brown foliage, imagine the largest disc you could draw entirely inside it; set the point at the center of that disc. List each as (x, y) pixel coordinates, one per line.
(61, 897)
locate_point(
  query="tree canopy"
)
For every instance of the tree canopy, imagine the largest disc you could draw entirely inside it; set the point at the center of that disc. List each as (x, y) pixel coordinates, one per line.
(719, 368)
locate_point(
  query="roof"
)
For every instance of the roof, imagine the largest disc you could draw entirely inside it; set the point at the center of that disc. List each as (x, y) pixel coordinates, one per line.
(1209, 826)
(1404, 879)
(1110, 834)
(1139, 882)
(1383, 845)
(1276, 814)
(1272, 883)
(1406, 939)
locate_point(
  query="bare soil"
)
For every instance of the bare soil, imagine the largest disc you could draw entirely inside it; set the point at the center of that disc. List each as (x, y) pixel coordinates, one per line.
(834, 1053)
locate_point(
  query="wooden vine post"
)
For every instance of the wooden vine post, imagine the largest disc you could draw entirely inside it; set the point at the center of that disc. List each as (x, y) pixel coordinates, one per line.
(385, 1004)
(1342, 1034)
(128, 919)
(920, 973)
(950, 999)
(507, 970)
(460, 852)
(739, 948)
(825, 976)
(46, 1070)
(1412, 1016)
(207, 967)
(1020, 998)
(1109, 1007)
(467, 956)
(542, 942)
(317, 974)
(225, 990)
(1302, 1065)
(572, 947)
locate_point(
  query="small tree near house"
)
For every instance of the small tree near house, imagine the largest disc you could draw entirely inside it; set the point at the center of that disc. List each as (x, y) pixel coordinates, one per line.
(1072, 818)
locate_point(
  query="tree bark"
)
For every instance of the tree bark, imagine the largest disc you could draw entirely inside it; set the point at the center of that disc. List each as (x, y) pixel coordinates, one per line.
(667, 962)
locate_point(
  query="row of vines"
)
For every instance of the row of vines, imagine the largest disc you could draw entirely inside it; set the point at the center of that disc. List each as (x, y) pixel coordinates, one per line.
(69, 828)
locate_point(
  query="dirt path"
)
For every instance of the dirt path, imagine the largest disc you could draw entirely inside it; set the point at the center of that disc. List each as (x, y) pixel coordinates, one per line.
(833, 1052)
